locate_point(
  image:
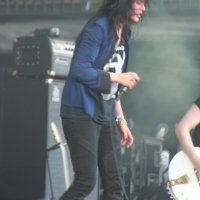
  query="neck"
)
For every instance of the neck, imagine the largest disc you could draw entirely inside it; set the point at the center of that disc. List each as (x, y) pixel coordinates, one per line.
(119, 30)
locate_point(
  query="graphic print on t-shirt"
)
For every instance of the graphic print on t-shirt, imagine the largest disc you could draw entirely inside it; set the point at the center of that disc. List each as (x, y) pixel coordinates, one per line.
(115, 65)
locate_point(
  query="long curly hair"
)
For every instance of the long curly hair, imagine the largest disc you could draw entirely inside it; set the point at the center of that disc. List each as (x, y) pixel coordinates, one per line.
(116, 12)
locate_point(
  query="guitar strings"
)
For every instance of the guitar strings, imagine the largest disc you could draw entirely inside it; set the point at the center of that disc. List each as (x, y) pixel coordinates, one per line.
(193, 177)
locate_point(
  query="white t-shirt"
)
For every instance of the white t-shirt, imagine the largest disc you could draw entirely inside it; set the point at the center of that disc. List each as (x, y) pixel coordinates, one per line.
(115, 65)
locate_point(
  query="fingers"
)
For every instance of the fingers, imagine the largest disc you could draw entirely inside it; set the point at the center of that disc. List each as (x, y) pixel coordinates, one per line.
(127, 139)
(127, 79)
(123, 139)
(126, 136)
(134, 79)
(199, 177)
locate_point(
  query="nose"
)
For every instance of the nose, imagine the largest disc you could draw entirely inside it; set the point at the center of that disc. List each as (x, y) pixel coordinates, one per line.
(143, 7)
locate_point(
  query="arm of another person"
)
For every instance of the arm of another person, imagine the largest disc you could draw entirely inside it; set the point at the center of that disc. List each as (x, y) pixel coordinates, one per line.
(126, 136)
(186, 124)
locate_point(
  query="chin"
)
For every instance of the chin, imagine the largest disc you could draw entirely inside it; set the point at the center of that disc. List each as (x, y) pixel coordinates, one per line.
(135, 19)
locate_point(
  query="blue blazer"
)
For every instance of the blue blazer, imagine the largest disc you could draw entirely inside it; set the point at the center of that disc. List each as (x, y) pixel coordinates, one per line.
(93, 46)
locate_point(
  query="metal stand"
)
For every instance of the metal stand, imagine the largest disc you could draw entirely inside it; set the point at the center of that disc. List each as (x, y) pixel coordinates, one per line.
(50, 180)
(49, 173)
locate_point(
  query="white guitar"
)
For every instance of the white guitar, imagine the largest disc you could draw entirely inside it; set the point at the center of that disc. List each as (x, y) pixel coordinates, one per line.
(183, 181)
(59, 140)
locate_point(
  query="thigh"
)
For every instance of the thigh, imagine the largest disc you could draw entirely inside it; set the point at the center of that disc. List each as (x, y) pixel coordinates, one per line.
(109, 150)
(82, 139)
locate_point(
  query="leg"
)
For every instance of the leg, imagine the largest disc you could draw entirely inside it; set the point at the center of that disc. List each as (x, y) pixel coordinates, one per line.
(82, 138)
(110, 166)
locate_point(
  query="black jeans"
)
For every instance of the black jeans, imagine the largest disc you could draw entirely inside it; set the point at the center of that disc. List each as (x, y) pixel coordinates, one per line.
(91, 145)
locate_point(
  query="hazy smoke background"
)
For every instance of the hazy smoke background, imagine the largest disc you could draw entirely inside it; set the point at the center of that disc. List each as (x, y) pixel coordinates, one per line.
(165, 54)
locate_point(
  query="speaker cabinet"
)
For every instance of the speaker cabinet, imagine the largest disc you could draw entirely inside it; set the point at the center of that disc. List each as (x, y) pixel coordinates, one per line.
(23, 139)
(28, 107)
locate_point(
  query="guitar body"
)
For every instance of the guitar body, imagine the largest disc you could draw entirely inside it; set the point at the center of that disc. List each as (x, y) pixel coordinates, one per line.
(183, 182)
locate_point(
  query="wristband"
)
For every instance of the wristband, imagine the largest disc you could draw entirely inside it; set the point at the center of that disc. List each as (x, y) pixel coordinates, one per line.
(120, 120)
(119, 116)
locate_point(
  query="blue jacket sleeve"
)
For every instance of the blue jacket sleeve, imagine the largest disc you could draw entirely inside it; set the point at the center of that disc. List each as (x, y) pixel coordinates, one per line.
(87, 49)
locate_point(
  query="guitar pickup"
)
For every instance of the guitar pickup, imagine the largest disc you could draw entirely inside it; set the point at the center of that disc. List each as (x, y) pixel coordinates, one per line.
(182, 180)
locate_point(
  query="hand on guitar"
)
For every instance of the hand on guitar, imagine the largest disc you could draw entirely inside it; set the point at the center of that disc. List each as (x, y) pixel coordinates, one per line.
(196, 163)
(183, 178)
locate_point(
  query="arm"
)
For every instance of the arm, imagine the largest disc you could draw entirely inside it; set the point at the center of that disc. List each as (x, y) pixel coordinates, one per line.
(129, 80)
(126, 136)
(86, 52)
(189, 121)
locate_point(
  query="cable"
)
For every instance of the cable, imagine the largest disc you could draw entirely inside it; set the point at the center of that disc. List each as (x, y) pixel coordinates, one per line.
(50, 180)
(115, 157)
(56, 146)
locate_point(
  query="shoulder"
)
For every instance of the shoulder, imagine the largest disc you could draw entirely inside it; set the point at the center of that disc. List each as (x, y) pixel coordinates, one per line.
(96, 29)
(103, 21)
(99, 22)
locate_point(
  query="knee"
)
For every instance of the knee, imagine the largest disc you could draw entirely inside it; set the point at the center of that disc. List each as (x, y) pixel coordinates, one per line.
(90, 185)
(85, 185)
